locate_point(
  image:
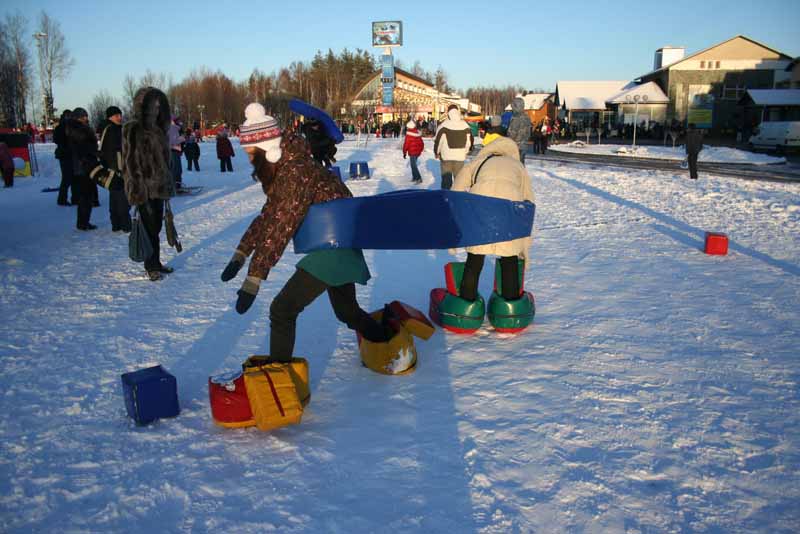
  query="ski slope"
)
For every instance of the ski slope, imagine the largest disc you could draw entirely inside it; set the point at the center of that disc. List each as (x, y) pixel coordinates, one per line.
(657, 390)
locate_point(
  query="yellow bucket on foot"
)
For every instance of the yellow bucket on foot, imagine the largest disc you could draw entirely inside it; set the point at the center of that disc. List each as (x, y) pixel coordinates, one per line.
(398, 356)
(273, 396)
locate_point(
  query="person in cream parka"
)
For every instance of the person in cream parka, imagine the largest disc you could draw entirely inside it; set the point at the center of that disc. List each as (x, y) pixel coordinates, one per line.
(496, 172)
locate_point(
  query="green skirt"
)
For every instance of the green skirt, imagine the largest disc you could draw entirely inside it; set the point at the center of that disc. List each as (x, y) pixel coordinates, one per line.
(336, 266)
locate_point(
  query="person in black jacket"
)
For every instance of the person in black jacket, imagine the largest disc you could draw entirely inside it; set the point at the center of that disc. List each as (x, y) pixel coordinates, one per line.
(192, 152)
(64, 157)
(87, 169)
(111, 156)
(694, 144)
(80, 140)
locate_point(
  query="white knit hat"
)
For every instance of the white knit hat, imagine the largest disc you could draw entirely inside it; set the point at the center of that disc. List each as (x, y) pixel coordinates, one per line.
(261, 131)
(410, 124)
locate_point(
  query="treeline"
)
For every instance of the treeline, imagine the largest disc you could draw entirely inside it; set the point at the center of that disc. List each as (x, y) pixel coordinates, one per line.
(17, 88)
(328, 81)
(493, 100)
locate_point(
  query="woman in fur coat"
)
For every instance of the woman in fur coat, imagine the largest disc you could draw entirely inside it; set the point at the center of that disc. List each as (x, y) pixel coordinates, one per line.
(145, 167)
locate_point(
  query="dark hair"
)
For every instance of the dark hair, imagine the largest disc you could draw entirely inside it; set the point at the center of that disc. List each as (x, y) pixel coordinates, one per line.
(151, 108)
(691, 125)
(263, 171)
(113, 110)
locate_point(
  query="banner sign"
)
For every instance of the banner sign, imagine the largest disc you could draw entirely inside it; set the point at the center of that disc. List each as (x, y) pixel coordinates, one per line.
(701, 108)
(387, 79)
(388, 96)
(387, 33)
(387, 69)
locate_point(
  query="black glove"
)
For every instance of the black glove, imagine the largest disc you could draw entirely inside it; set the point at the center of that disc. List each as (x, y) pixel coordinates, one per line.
(404, 155)
(233, 267)
(247, 294)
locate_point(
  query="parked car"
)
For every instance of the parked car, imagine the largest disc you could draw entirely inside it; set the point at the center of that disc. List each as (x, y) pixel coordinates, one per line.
(778, 135)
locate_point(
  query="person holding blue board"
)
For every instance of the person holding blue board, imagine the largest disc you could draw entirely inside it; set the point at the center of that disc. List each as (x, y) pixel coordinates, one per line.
(293, 182)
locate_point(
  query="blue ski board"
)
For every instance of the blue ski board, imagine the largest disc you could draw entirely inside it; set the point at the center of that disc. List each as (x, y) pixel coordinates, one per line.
(413, 219)
(307, 110)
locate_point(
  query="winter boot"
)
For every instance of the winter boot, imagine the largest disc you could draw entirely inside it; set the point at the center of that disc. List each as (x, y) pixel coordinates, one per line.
(449, 310)
(510, 315)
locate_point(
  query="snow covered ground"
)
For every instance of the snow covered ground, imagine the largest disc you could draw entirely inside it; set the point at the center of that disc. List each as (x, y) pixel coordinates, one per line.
(709, 154)
(657, 390)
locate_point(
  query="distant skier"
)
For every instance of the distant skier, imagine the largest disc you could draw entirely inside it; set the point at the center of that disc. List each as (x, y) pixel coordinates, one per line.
(293, 182)
(452, 144)
(413, 147)
(519, 129)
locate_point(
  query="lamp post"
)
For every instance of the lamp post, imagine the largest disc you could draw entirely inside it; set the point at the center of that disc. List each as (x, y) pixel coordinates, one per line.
(39, 36)
(201, 108)
(636, 99)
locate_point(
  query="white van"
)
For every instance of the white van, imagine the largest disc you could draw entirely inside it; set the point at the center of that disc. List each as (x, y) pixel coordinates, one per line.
(777, 135)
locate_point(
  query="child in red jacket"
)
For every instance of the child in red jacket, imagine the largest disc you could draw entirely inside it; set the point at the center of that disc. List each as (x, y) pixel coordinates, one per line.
(413, 147)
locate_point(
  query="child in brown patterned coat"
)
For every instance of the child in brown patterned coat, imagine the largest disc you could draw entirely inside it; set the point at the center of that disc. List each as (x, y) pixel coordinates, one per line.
(293, 181)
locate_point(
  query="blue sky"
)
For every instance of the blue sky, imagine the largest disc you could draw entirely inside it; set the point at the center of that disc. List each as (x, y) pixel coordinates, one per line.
(498, 42)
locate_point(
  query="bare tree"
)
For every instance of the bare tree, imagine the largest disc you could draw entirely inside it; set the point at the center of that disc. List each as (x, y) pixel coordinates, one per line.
(7, 78)
(440, 80)
(130, 86)
(55, 60)
(97, 107)
(16, 30)
(15, 69)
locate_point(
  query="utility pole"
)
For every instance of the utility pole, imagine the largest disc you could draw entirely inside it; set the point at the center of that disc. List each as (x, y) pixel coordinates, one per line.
(39, 36)
(201, 108)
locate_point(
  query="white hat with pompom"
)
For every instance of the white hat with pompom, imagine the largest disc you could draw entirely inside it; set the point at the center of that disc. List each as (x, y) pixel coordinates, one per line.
(261, 131)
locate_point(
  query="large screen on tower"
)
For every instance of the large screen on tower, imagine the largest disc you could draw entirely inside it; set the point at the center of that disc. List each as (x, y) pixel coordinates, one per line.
(387, 33)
